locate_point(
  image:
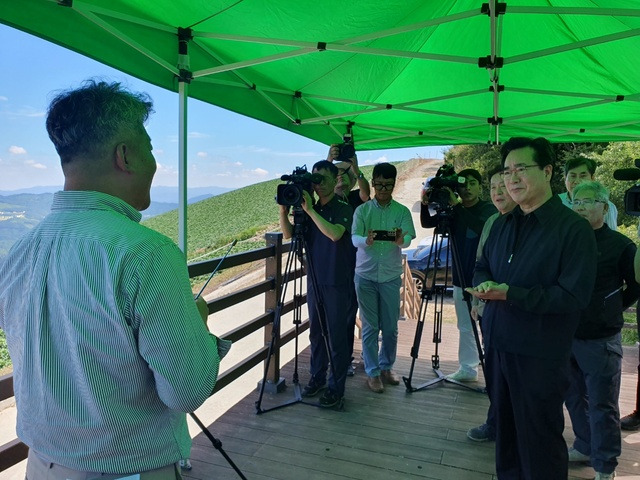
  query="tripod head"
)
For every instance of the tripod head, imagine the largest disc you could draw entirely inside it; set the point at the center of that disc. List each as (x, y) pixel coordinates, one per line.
(444, 217)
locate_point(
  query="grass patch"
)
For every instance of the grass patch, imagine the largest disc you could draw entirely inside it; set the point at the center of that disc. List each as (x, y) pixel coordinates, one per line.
(629, 335)
(5, 360)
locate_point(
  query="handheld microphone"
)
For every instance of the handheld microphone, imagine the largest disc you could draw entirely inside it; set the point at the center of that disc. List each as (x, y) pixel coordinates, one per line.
(627, 173)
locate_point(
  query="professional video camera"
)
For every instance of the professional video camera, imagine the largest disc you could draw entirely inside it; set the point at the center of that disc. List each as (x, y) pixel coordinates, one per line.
(347, 148)
(632, 195)
(290, 194)
(446, 176)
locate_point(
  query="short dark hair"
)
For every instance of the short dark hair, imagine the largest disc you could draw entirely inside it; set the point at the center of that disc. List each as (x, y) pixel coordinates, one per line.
(326, 165)
(83, 121)
(471, 172)
(384, 170)
(543, 150)
(496, 169)
(575, 162)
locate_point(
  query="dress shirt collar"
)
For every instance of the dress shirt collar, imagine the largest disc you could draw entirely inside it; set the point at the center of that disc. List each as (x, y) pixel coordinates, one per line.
(90, 200)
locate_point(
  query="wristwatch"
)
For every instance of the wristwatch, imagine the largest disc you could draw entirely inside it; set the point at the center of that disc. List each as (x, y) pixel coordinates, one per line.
(361, 175)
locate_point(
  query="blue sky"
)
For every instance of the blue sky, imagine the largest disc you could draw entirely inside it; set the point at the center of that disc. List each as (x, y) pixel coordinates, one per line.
(225, 149)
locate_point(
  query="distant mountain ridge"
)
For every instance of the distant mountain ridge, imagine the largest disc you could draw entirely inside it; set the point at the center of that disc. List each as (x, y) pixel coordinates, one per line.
(22, 209)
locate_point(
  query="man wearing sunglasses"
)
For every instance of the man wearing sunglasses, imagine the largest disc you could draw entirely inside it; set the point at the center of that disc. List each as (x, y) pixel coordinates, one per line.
(381, 228)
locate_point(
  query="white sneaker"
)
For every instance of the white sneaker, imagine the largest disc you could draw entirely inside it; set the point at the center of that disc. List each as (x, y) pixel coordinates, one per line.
(185, 464)
(576, 456)
(605, 476)
(463, 376)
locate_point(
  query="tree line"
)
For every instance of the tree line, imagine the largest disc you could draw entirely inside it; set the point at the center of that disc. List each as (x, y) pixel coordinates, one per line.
(608, 156)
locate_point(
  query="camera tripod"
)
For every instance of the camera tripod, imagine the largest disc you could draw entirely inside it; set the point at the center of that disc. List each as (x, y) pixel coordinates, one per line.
(296, 257)
(434, 291)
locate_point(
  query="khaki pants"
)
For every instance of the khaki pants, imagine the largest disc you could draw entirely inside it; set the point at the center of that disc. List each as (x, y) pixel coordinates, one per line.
(38, 469)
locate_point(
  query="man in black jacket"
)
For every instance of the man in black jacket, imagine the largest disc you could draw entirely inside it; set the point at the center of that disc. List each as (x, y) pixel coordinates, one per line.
(533, 273)
(596, 360)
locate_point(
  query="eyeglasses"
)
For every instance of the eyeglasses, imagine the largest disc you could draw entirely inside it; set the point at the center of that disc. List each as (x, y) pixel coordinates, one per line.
(383, 186)
(520, 170)
(587, 202)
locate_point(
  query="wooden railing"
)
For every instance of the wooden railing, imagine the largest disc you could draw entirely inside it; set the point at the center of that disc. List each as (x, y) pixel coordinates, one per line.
(15, 451)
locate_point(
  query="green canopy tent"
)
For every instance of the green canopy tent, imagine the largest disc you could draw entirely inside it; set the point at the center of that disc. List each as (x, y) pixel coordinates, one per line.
(399, 72)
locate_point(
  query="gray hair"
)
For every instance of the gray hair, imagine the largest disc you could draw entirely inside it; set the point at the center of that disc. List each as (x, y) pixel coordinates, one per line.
(83, 121)
(599, 191)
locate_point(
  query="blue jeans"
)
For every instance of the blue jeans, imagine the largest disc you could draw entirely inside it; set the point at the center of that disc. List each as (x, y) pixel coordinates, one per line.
(379, 311)
(592, 400)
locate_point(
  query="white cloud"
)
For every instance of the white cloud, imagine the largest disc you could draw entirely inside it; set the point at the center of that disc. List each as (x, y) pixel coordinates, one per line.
(238, 164)
(34, 164)
(28, 112)
(373, 161)
(260, 171)
(201, 154)
(225, 174)
(17, 150)
(158, 151)
(197, 135)
(3, 98)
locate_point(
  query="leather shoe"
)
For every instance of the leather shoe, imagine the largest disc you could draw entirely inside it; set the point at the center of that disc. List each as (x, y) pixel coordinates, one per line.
(389, 377)
(375, 384)
(631, 421)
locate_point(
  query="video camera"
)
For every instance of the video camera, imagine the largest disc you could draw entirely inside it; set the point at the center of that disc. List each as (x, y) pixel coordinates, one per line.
(446, 176)
(632, 195)
(291, 194)
(347, 149)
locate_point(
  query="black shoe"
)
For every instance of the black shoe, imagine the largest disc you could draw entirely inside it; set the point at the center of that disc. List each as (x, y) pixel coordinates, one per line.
(351, 370)
(330, 399)
(631, 421)
(312, 389)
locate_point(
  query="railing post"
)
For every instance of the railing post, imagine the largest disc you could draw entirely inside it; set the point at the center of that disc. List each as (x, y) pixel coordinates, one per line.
(273, 271)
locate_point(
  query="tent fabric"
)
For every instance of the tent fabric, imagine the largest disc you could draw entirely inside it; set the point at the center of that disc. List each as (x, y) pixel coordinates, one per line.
(402, 72)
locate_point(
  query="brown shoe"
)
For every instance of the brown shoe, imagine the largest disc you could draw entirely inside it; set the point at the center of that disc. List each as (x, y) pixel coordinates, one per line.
(389, 377)
(375, 384)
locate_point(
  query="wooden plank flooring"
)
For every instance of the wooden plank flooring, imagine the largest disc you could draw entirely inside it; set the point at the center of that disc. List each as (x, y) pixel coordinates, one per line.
(394, 435)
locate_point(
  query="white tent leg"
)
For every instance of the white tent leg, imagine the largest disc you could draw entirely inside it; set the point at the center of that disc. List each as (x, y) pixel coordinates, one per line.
(183, 88)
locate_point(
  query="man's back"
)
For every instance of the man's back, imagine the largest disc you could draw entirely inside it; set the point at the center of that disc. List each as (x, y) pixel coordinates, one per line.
(107, 345)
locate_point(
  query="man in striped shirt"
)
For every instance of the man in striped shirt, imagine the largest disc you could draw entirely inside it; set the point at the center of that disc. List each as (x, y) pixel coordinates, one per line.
(108, 346)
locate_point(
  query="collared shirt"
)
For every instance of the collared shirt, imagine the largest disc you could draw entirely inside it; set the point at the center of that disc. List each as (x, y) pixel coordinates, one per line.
(331, 261)
(547, 258)
(382, 261)
(610, 218)
(108, 347)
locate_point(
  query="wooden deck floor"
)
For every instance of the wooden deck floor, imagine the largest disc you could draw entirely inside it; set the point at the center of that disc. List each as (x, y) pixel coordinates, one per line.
(394, 435)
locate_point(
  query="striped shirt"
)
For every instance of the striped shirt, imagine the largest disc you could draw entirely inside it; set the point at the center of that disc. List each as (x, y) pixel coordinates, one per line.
(107, 344)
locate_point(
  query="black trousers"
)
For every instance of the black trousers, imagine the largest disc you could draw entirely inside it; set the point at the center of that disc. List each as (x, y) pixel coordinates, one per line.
(528, 394)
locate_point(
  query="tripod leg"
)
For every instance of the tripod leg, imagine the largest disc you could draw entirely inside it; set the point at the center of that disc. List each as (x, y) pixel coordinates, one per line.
(217, 444)
(428, 289)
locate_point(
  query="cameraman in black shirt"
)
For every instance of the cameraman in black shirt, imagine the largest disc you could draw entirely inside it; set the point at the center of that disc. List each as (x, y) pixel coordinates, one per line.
(468, 215)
